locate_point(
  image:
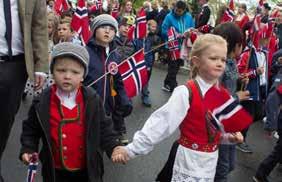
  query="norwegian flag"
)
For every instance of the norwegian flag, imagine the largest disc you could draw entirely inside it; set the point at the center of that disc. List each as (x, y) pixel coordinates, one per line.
(60, 6)
(80, 22)
(115, 10)
(173, 44)
(231, 5)
(228, 16)
(97, 6)
(32, 167)
(134, 74)
(231, 117)
(139, 31)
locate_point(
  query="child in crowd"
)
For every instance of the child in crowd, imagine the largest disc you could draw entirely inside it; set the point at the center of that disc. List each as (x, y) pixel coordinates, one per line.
(125, 47)
(151, 40)
(234, 37)
(70, 120)
(253, 63)
(273, 123)
(194, 155)
(103, 54)
(65, 32)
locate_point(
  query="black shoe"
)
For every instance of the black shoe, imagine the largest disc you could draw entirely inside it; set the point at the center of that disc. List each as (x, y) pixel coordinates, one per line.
(146, 101)
(244, 147)
(260, 179)
(167, 88)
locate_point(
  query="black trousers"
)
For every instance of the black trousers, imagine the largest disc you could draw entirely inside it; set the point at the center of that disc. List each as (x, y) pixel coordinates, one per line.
(275, 157)
(172, 70)
(66, 176)
(13, 77)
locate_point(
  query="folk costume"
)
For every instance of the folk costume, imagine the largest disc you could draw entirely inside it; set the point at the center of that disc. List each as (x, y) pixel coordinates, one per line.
(204, 16)
(194, 155)
(74, 132)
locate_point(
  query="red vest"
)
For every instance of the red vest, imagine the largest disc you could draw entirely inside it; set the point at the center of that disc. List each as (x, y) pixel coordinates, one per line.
(68, 129)
(196, 131)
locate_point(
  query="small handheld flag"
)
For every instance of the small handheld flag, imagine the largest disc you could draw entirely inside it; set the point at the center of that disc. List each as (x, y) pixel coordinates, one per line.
(32, 167)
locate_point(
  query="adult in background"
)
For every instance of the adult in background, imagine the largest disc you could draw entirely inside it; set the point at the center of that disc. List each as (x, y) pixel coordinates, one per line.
(181, 20)
(126, 10)
(23, 53)
(204, 15)
(265, 13)
(242, 17)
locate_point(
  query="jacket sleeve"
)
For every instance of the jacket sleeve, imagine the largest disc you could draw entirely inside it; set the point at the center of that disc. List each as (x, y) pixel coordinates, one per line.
(272, 105)
(122, 100)
(31, 133)
(109, 139)
(165, 26)
(272, 110)
(243, 65)
(40, 37)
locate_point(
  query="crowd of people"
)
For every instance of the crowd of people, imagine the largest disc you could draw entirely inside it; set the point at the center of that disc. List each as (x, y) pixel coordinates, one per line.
(80, 105)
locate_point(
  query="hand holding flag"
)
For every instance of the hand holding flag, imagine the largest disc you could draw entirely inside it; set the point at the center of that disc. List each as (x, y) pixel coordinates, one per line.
(32, 167)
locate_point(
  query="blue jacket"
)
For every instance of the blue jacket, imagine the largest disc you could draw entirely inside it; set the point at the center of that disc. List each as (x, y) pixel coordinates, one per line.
(98, 65)
(149, 56)
(180, 23)
(273, 105)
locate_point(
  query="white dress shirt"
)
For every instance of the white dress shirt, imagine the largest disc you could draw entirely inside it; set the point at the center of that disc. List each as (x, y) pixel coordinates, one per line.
(17, 38)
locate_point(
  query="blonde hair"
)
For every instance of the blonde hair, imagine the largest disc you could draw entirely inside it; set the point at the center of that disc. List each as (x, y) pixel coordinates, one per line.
(201, 44)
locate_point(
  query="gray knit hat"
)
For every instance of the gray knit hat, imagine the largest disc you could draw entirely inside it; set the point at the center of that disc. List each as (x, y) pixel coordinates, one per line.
(104, 19)
(73, 50)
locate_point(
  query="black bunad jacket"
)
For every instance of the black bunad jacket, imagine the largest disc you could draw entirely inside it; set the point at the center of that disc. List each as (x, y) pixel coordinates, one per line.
(99, 136)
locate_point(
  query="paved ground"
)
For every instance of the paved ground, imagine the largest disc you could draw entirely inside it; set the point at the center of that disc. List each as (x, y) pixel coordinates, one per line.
(145, 168)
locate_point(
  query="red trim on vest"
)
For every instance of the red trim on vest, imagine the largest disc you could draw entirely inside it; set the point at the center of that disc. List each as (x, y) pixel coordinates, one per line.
(196, 131)
(68, 129)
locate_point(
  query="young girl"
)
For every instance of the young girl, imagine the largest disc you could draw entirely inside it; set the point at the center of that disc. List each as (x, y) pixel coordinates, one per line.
(194, 155)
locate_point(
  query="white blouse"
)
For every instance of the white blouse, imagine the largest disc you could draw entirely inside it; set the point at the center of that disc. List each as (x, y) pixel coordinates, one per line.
(164, 121)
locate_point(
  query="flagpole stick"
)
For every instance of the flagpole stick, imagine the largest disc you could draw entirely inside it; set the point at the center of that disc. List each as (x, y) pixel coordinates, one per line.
(158, 46)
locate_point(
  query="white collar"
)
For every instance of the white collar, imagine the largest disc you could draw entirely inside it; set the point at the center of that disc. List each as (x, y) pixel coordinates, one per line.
(204, 86)
(67, 99)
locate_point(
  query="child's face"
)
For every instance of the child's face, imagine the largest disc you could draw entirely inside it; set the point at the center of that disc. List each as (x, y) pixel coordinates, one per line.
(152, 27)
(105, 34)
(50, 28)
(64, 32)
(211, 62)
(123, 30)
(128, 7)
(280, 60)
(68, 74)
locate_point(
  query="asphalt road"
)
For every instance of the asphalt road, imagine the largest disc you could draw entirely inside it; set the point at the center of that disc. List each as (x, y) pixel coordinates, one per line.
(145, 168)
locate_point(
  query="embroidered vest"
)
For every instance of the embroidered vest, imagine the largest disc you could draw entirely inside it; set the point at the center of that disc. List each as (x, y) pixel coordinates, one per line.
(68, 129)
(196, 130)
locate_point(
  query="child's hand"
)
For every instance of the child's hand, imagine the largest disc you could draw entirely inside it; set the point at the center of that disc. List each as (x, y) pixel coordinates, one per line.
(243, 95)
(260, 70)
(120, 155)
(236, 137)
(26, 158)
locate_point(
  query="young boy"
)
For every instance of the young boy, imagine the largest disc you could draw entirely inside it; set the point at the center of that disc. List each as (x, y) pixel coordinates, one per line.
(151, 41)
(253, 64)
(273, 123)
(70, 120)
(103, 54)
(65, 32)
